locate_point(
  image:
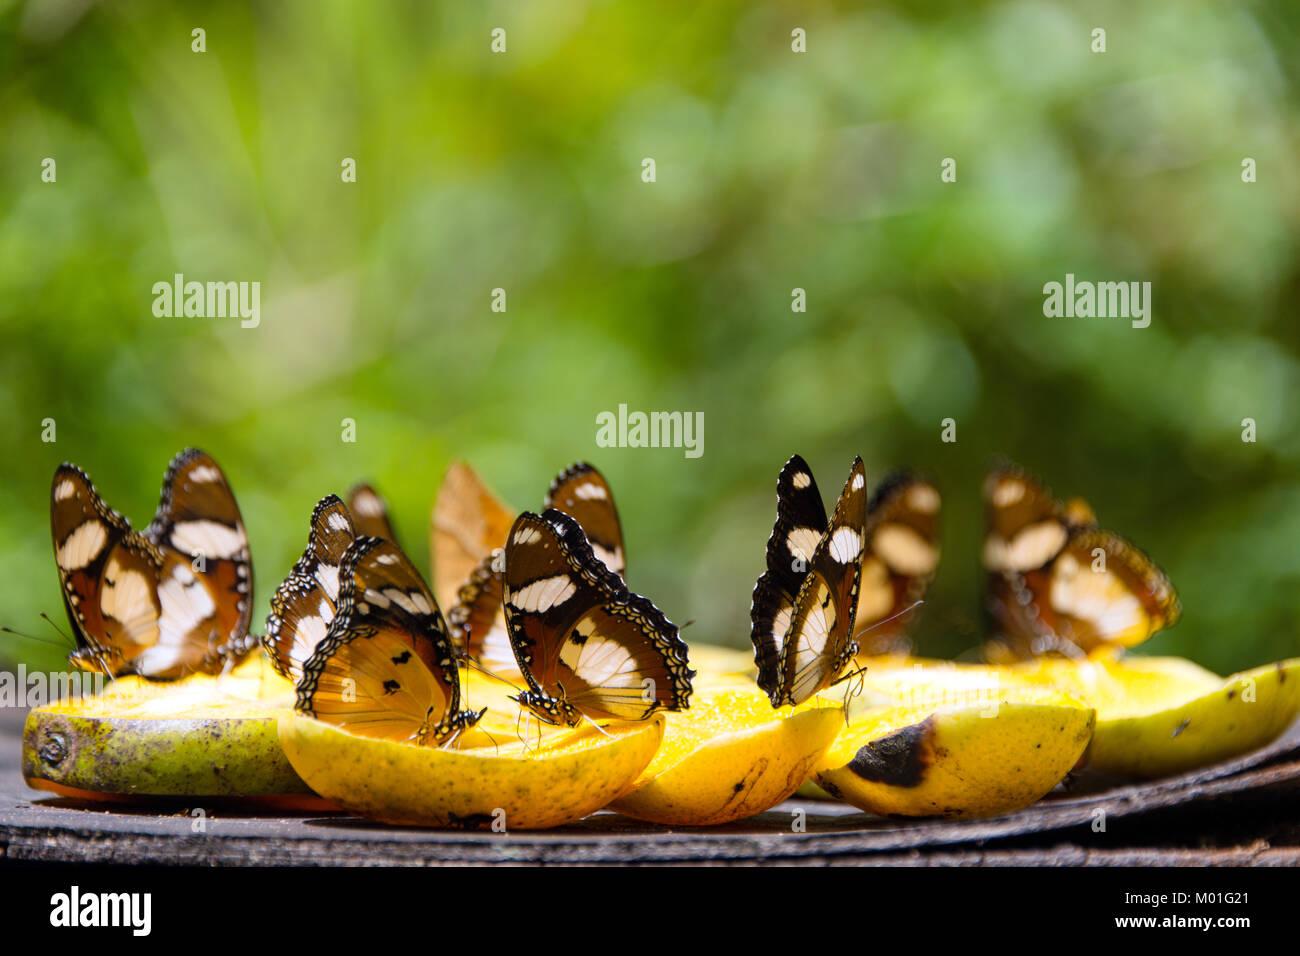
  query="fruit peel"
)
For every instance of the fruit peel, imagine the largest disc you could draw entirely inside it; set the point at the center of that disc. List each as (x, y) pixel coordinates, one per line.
(729, 757)
(956, 762)
(522, 787)
(204, 736)
(1239, 714)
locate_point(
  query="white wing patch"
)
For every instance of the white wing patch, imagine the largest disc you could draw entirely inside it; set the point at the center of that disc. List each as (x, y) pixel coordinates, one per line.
(1031, 548)
(904, 549)
(802, 542)
(65, 490)
(591, 491)
(601, 662)
(526, 535)
(127, 598)
(83, 545)
(611, 559)
(801, 479)
(543, 594)
(211, 539)
(846, 545)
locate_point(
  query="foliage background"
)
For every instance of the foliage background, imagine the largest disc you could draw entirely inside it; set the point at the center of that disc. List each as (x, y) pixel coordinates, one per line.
(775, 170)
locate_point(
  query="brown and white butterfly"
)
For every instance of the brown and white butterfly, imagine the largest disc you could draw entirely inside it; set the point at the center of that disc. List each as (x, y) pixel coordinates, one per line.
(172, 600)
(1058, 584)
(306, 603)
(585, 644)
(805, 603)
(386, 667)
(899, 560)
(477, 618)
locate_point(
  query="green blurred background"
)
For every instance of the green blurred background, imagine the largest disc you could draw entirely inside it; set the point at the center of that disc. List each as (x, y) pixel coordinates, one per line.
(775, 170)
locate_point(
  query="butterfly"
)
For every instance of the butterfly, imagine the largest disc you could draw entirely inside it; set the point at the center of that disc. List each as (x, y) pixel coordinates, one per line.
(305, 604)
(805, 603)
(584, 643)
(1058, 584)
(171, 600)
(468, 521)
(386, 667)
(477, 619)
(899, 560)
(370, 513)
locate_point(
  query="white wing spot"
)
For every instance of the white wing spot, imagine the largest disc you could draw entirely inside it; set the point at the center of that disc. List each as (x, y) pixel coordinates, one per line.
(846, 545)
(83, 545)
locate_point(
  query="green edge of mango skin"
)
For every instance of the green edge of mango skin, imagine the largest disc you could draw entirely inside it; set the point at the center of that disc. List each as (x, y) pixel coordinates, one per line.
(157, 757)
(693, 791)
(1246, 711)
(959, 762)
(410, 785)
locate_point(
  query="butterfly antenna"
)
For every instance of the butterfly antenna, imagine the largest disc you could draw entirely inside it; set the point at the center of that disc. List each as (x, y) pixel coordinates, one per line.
(32, 637)
(598, 727)
(470, 662)
(687, 624)
(58, 630)
(893, 617)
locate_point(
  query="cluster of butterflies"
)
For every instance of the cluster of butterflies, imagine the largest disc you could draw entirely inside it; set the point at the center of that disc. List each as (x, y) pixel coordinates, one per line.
(541, 598)
(354, 625)
(837, 591)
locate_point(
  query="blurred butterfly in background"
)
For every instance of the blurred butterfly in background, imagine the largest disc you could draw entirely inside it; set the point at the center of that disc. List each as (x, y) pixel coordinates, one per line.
(468, 521)
(805, 603)
(477, 618)
(1058, 584)
(585, 644)
(386, 667)
(899, 561)
(172, 600)
(305, 604)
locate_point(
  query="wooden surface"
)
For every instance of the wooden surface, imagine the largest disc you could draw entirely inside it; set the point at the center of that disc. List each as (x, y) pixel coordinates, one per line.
(1246, 811)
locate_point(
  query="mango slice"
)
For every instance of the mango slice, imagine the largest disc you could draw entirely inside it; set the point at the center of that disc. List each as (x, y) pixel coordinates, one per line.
(516, 785)
(961, 760)
(200, 737)
(1158, 716)
(730, 756)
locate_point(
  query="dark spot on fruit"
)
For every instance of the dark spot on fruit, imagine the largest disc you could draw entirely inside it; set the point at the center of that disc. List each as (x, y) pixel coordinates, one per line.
(899, 760)
(1231, 694)
(55, 749)
(1180, 728)
(736, 788)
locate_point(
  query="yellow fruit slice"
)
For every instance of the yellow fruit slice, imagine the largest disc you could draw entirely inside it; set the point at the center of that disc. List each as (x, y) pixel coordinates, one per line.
(730, 756)
(712, 660)
(957, 760)
(1164, 715)
(200, 737)
(513, 786)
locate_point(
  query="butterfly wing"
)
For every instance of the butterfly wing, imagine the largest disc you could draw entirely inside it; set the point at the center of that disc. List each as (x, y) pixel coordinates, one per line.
(585, 644)
(198, 519)
(477, 621)
(304, 605)
(369, 513)
(581, 492)
(386, 668)
(468, 521)
(900, 559)
(820, 641)
(800, 526)
(1058, 584)
(108, 575)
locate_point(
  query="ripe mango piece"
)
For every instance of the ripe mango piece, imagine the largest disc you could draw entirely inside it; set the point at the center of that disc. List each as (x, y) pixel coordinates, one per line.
(730, 756)
(516, 785)
(958, 760)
